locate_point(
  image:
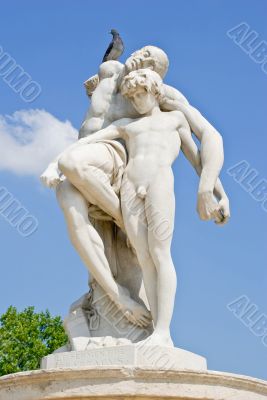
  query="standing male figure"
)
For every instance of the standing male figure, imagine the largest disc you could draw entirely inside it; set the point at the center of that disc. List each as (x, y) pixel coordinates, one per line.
(84, 186)
(153, 142)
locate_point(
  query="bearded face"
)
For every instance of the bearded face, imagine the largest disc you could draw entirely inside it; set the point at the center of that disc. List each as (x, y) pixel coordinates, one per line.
(150, 57)
(140, 59)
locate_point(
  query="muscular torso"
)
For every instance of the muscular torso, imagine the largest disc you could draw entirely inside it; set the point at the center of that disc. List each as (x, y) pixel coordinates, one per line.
(108, 105)
(153, 143)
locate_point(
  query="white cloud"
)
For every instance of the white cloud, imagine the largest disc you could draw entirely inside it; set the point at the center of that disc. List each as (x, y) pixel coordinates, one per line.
(30, 139)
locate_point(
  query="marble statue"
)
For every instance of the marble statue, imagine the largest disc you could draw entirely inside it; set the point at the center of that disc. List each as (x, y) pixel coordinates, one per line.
(115, 187)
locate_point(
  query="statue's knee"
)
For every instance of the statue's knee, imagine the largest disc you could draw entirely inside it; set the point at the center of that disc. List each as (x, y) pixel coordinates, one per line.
(68, 163)
(64, 163)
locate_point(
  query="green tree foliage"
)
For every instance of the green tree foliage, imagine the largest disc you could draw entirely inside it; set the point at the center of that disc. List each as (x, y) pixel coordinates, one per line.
(26, 337)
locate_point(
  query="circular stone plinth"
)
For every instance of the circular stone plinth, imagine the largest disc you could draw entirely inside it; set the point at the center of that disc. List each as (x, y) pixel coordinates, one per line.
(129, 383)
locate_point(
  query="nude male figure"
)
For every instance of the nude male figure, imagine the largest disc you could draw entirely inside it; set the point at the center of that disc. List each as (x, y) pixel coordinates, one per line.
(83, 186)
(153, 143)
(107, 105)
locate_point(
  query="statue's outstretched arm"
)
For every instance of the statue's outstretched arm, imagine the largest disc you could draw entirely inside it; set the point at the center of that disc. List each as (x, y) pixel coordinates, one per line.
(52, 176)
(211, 151)
(192, 153)
(113, 131)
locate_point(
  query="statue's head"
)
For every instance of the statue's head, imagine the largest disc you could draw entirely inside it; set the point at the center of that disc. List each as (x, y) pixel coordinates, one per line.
(151, 57)
(143, 88)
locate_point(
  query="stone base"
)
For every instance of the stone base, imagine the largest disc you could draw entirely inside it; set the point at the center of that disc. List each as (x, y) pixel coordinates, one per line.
(129, 383)
(133, 355)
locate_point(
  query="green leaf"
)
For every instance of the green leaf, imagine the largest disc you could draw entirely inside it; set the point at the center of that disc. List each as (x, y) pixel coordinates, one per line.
(26, 337)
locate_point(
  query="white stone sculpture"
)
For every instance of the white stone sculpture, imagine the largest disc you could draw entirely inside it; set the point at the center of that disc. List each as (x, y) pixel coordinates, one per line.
(115, 187)
(119, 207)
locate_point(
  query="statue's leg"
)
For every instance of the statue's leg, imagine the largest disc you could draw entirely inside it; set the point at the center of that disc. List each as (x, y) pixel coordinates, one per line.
(89, 246)
(133, 210)
(89, 168)
(160, 209)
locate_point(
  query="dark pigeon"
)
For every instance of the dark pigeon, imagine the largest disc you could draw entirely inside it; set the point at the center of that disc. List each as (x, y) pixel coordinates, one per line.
(116, 47)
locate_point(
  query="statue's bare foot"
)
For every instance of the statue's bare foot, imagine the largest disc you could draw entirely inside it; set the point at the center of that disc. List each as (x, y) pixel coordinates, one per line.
(158, 339)
(133, 311)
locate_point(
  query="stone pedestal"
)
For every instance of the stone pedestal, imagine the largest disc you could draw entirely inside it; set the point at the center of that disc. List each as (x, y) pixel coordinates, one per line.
(117, 383)
(132, 355)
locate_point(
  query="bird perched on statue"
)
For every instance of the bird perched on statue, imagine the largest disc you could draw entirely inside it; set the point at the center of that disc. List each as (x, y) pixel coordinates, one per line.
(116, 47)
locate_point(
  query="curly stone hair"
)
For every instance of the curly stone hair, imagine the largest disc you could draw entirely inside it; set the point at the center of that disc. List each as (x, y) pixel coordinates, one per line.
(141, 78)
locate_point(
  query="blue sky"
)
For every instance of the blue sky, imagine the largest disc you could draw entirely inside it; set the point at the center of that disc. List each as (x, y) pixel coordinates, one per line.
(60, 44)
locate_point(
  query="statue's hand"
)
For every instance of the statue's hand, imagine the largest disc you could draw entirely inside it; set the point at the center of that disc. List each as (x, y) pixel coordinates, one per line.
(91, 84)
(208, 208)
(224, 210)
(51, 177)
